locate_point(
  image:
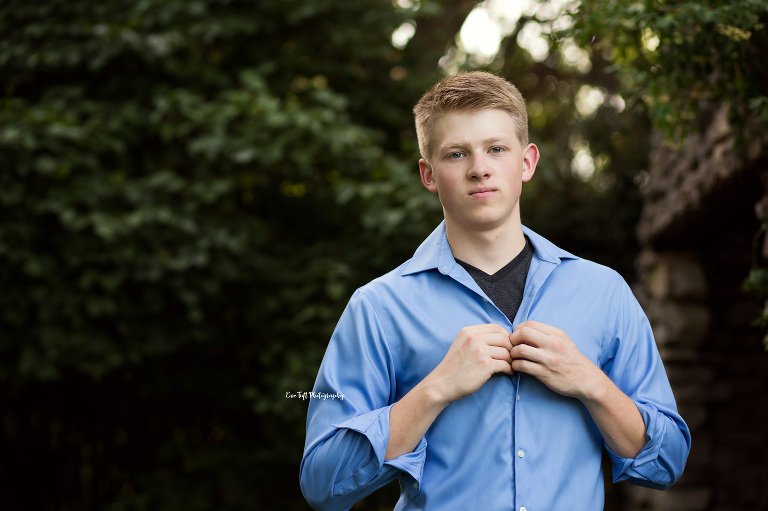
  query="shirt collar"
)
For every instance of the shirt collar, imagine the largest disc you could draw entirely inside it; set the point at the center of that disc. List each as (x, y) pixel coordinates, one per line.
(435, 252)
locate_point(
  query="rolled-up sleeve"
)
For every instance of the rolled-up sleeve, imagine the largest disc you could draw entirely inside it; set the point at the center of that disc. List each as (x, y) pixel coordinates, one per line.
(348, 433)
(633, 363)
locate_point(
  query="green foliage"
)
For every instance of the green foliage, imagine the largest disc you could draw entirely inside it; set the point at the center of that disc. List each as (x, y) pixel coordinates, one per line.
(678, 56)
(757, 284)
(190, 193)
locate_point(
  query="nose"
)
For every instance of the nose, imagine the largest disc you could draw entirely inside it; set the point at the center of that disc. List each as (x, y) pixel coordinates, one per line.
(479, 168)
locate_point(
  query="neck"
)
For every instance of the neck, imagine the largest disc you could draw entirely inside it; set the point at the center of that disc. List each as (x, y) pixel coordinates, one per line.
(488, 250)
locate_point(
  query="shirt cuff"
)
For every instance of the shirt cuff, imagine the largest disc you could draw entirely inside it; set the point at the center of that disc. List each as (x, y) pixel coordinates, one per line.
(412, 465)
(644, 466)
(374, 425)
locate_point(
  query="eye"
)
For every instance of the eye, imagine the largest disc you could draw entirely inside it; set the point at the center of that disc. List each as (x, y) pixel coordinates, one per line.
(497, 150)
(455, 156)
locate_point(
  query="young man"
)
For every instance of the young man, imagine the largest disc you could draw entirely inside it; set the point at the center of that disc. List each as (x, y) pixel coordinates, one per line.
(489, 371)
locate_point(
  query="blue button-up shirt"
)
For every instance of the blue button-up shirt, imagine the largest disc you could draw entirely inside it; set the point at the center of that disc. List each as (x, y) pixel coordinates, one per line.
(512, 445)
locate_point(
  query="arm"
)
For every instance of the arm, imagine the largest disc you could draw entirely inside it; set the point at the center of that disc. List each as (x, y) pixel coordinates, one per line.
(343, 459)
(357, 445)
(631, 361)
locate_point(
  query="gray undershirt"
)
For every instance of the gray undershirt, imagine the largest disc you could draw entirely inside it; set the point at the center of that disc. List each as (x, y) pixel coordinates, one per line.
(505, 287)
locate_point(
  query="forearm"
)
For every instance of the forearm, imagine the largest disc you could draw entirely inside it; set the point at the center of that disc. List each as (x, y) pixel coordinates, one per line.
(411, 417)
(616, 416)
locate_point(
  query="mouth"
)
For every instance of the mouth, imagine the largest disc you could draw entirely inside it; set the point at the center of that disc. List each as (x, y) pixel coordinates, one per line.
(482, 193)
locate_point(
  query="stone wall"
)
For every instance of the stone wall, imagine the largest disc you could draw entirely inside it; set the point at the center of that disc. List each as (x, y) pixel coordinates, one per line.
(673, 293)
(698, 229)
(683, 182)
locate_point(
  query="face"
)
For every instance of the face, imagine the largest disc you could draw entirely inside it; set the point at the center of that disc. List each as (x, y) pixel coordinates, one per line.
(478, 167)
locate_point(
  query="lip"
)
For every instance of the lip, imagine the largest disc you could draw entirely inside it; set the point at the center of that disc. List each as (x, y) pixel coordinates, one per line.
(482, 193)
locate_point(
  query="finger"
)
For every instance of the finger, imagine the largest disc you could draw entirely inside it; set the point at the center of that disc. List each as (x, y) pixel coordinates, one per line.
(501, 340)
(488, 328)
(501, 366)
(500, 353)
(538, 325)
(527, 335)
(490, 334)
(527, 352)
(526, 366)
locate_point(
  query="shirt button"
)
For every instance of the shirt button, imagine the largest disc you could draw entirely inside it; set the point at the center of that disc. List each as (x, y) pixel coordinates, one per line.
(520, 453)
(523, 508)
(518, 397)
(416, 485)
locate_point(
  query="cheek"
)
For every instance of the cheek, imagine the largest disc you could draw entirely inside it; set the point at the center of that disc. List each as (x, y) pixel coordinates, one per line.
(448, 187)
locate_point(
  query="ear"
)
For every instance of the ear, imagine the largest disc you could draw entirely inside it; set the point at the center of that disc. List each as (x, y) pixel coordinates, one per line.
(530, 159)
(427, 176)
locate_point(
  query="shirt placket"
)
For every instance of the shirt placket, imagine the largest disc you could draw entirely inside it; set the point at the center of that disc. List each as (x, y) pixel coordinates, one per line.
(538, 273)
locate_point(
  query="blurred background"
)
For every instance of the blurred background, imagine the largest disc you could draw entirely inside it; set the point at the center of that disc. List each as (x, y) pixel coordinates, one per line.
(191, 190)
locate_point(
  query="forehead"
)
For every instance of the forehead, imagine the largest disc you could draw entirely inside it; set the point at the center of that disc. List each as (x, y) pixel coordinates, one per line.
(473, 126)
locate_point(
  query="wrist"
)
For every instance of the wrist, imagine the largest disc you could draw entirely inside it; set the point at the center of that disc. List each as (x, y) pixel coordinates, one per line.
(433, 393)
(596, 387)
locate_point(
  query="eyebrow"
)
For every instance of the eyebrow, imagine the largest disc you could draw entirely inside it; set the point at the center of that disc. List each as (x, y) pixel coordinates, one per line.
(460, 144)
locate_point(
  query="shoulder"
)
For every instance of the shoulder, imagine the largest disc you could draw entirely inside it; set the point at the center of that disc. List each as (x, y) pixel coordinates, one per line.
(392, 284)
(572, 268)
(584, 285)
(584, 269)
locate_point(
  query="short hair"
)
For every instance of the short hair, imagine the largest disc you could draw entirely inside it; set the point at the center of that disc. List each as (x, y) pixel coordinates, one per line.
(468, 92)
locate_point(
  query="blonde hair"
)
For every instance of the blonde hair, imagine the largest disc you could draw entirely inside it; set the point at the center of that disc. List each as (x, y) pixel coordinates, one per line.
(468, 92)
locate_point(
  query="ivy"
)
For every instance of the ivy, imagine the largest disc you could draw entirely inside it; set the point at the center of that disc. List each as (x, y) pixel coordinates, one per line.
(190, 192)
(676, 57)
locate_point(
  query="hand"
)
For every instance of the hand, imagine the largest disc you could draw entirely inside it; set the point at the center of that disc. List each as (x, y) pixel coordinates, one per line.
(548, 354)
(476, 353)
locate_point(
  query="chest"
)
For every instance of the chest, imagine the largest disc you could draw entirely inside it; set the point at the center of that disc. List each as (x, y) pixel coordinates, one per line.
(427, 327)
